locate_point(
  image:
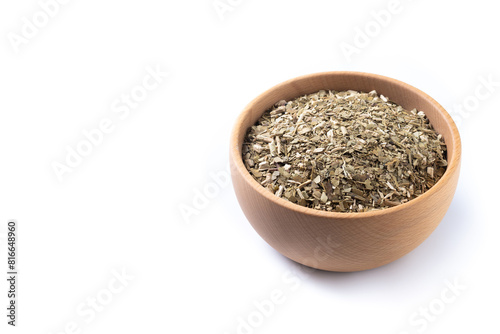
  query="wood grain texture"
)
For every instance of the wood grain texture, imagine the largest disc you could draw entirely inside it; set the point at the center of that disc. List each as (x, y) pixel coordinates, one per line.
(344, 241)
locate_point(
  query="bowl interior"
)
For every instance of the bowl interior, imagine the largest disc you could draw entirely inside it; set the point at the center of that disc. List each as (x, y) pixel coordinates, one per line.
(403, 94)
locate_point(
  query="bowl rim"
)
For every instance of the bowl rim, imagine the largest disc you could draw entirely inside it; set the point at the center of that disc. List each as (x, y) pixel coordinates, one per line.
(237, 161)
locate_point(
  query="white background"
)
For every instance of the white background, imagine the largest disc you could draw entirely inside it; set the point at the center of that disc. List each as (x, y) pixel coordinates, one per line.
(119, 209)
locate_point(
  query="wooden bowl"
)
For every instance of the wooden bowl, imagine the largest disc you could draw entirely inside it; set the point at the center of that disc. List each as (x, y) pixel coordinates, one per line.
(344, 241)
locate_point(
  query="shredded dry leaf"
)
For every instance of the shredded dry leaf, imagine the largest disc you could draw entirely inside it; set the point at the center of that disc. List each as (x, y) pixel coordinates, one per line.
(344, 151)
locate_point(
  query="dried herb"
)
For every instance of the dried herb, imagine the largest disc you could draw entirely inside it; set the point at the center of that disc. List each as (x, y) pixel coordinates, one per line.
(344, 151)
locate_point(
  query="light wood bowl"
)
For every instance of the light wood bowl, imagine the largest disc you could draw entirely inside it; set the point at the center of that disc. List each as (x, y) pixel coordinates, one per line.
(344, 241)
